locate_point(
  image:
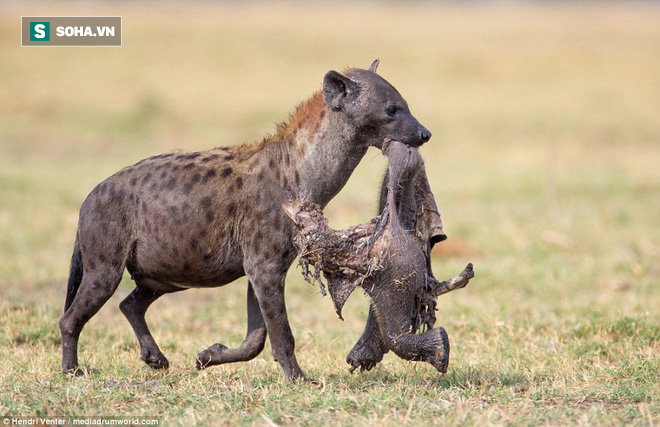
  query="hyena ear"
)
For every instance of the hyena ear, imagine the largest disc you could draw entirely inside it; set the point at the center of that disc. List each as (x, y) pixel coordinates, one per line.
(374, 65)
(337, 88)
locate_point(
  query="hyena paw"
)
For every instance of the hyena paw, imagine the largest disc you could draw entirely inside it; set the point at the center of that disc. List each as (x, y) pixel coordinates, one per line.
(210, 356)
(155, 359)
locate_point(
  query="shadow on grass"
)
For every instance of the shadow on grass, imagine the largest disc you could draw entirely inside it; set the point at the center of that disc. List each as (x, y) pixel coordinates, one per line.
(468, 378)
(474, 378)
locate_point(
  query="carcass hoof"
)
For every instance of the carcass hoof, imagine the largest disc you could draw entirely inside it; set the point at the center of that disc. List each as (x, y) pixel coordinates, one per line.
(155, 360)
(364, 365)
(363, 357)
(440, 357)
(210, 356)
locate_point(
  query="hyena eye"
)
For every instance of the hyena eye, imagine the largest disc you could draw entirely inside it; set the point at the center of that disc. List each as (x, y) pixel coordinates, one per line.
(391, 110)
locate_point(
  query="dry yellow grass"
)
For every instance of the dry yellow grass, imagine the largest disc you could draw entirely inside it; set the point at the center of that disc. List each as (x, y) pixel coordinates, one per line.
(544, 161)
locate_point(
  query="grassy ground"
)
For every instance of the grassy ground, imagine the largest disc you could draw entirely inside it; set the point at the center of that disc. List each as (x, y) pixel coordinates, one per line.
(544, 161)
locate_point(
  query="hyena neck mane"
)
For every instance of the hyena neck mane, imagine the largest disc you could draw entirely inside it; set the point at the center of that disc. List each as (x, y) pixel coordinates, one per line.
(316, 150)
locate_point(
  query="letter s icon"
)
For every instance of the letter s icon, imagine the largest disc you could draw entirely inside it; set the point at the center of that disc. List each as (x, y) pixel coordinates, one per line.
(39, 31)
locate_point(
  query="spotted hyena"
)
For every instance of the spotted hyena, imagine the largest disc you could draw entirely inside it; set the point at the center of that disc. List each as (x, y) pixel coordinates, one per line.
(204, 219)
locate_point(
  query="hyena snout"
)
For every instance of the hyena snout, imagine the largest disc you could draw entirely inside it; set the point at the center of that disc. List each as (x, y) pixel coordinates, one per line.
(416, 137)
(414, 134)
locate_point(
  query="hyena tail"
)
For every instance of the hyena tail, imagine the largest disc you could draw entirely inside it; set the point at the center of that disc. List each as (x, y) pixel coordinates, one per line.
(75, 275)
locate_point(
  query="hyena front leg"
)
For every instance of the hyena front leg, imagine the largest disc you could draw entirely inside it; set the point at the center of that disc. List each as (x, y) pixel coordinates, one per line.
(267, 277)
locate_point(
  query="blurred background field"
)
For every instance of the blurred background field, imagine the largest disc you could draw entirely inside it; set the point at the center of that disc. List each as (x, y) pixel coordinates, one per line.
(545, 162)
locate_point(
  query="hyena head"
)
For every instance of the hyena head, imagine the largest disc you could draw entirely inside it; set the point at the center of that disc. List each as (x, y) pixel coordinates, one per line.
(375, 107)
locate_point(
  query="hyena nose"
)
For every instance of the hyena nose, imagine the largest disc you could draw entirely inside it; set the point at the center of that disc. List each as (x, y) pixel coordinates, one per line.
(424, 135)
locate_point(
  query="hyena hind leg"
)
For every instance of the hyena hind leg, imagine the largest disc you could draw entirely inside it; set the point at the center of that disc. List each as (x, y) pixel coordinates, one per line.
(94, 291)
(134, 308)
(250, 348)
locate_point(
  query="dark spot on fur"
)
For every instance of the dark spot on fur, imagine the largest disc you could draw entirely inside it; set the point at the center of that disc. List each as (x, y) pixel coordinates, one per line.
(208, 257)
(134, 181)
(285, 255)
(230, 189)
(195, 178)
(229, 157)
(239, 182)
(271, 164)
(173, 210)
(209, 158)
(231, 209)
(209, 174)
(189, 166)
(296, 177)
(285, 182)
(193, 244)
(207, 202)
(163, 174)
(187, 188)
(187, 267)
(188, 156)
(210, 216)
(171, 184)
(226, 172)
(91, 264)
(260, 177)
(146, 178)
